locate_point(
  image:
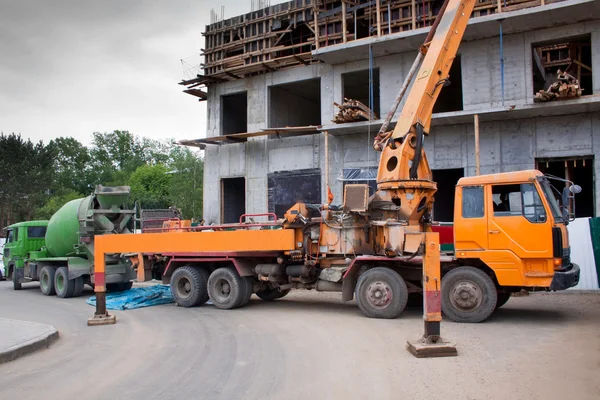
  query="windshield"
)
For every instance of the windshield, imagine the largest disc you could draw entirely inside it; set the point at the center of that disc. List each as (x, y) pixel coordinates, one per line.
(547, 189)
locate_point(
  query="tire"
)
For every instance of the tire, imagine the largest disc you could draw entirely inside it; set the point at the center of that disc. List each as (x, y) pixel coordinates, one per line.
(15, 281)
(415, 300)
(226, 288)
(47, 281)
(503, 297)
(78, 286)
(272, 294)
(188, 286)
(127, 286)
(249, 288)
(468, 295)
(381, 293)
(63, 286)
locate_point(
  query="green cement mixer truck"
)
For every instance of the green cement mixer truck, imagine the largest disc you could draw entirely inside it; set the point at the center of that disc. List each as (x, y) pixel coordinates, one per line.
(63, 261)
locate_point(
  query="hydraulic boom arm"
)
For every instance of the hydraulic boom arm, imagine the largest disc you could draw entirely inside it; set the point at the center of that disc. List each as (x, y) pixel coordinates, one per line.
(404, 177)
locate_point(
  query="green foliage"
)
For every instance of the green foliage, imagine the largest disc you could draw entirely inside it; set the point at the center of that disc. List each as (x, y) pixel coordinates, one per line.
(55, 202)
(186, 183)
(150, 186)
(26, 174)
(71, 165)
(37, 179)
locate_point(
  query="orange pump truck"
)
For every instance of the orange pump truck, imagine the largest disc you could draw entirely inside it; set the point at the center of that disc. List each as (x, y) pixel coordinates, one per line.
(509, 231)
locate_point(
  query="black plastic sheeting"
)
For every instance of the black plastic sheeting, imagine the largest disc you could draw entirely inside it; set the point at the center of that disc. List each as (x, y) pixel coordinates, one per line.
(361, 175)
(286, 188)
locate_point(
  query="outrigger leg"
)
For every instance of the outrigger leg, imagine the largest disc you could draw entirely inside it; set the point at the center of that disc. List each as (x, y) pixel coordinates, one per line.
(432, 344)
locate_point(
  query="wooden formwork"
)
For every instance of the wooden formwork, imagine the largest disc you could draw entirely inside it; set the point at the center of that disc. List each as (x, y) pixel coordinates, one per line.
(284, 35)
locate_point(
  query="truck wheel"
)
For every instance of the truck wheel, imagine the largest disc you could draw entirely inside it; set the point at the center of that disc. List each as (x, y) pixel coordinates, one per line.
(226, 288)
(188, 286)
(127, 286)
(47, 281)
(503, 297)
(15, 280)
(272, 294)
(249, 287)
(468, 295)
(78, 286)
(381, 293)
(64, 286)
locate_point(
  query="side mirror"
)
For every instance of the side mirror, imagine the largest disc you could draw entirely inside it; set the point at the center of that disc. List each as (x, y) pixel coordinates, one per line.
(575, 189)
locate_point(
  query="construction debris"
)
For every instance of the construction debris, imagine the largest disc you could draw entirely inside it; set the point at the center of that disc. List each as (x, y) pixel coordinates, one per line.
(566, 87)
(353, 111)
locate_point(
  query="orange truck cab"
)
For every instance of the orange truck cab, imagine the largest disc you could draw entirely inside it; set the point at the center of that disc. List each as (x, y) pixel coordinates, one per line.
(512, 224)
(509, 234)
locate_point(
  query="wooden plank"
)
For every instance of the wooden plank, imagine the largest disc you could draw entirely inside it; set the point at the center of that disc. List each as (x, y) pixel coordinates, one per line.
(477, 164)
(344, 27)
(316, 22)
(378, 7)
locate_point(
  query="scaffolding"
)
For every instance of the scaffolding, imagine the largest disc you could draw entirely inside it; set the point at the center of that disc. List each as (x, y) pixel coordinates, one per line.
(285, 35)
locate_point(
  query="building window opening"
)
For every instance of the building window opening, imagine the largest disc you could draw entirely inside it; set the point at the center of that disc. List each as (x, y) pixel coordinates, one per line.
(562, 69)
(451, 97)
(579, 170)
(234, 113)
(356, 86)
(295, 104)
(443, 206)
(233, 199)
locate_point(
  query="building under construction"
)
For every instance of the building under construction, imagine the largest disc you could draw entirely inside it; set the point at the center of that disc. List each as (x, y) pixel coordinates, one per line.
(296, 93)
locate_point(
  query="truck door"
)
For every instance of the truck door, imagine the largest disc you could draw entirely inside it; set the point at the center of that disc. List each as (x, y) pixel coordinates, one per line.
(470, 222)
(520, 225)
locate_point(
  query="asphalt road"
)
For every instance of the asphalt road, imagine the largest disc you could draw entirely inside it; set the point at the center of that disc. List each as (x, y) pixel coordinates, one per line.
(306, 346)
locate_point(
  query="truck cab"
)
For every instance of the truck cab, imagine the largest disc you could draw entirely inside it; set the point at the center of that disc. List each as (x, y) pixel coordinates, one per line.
(21, 239)
(512, 225)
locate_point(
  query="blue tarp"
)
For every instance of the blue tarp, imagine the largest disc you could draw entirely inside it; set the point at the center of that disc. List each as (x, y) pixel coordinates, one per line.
(136, 298)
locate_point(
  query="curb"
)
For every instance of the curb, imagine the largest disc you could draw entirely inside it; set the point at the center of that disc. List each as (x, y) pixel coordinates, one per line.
(19, 350)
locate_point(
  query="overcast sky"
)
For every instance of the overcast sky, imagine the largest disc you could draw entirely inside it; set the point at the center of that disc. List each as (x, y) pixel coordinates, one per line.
(73, 67)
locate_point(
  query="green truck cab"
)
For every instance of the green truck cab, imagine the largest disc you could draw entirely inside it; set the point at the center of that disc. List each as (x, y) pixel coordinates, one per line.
(59, 253)
(22, 238)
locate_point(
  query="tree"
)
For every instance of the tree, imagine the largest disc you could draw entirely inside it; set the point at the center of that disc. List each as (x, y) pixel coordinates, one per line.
(116, 155)
(72, 165)
(26, 176)
(187, 169)
(150, 186)
(55, 202)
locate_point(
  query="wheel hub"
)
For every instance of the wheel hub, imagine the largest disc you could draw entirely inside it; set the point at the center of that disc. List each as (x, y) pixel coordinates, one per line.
(224, 288)
(379, 294)
(466, 295)
(184, 287)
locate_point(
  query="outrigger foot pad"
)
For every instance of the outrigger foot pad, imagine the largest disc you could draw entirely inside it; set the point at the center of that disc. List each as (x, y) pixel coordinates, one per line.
(105, 319)
(431, 347)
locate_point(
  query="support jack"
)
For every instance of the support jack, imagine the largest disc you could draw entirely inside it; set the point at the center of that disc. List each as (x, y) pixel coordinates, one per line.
(431, 347)
(105, 319)
(101, 316)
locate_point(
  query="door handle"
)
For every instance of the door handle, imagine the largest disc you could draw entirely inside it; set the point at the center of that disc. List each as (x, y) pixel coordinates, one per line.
(494, 232)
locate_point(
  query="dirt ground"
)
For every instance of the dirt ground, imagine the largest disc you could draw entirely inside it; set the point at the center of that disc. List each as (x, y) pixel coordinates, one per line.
(306, 346)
